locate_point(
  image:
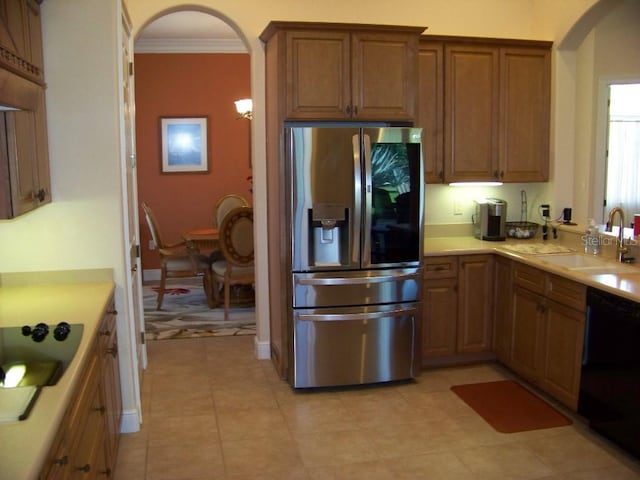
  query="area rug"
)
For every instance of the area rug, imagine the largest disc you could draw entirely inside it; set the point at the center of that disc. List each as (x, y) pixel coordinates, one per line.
(185, 314)
(509, 407)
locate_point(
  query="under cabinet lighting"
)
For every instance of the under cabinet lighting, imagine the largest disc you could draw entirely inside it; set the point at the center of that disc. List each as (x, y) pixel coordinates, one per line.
(475, 184)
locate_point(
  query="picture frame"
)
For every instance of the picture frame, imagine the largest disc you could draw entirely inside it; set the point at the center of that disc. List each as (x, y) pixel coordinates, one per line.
(184, 144)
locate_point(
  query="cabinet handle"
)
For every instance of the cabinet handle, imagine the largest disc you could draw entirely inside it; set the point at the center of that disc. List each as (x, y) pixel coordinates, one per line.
(112, 312)
(348, 109)
(100, 409)
(113, 351)
(61, 461)
(85, 468)
(40, 196)
(501, 174)
(496, 174)
(355, 111)
(106, 473)
(441, 175)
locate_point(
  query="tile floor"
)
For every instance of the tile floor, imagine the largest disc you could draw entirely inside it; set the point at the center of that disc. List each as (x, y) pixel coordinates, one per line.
(212, 411)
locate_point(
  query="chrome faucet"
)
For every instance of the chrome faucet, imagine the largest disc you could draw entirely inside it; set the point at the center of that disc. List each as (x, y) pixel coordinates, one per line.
(621, 248)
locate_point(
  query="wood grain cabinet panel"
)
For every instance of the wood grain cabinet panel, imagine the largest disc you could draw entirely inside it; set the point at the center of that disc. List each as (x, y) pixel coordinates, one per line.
(24, 158)
(86, 444)
(457, 306)
(495, 102)
(547, 331)
(344, 72)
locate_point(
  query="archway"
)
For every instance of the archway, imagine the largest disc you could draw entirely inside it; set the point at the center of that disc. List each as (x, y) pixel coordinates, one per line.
(197, 75)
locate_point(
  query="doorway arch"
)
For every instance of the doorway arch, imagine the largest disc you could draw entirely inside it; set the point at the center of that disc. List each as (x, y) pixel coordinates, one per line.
(262, 336)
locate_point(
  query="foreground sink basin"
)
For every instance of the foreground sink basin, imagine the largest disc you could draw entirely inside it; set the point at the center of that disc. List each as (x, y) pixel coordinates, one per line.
(41, 362)
(586, 263)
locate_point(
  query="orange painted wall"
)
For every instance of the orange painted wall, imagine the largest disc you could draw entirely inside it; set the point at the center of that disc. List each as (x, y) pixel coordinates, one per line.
(168, 85)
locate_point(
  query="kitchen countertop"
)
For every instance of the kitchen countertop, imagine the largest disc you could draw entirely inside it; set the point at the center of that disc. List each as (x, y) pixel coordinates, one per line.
(50, 297)
(625, 284)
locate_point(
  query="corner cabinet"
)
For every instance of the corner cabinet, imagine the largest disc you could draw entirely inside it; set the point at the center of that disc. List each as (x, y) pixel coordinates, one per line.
(24, 160)
(344, 72)
(548, 321)
(457, 308)
(485, 108)
(86, 444)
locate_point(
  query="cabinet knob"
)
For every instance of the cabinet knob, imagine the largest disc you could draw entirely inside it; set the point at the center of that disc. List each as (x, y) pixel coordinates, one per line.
(348, 109)
(113, 351)
(86, 468)
(100, 409)
(41, 195)
(61, 461)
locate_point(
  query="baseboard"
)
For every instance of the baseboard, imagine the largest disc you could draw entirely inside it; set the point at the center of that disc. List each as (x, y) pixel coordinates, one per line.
(262, 349)
(130, 422)
(151, 275)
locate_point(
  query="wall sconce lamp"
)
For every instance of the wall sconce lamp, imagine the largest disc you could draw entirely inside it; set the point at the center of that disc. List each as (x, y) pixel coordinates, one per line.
(245, 108)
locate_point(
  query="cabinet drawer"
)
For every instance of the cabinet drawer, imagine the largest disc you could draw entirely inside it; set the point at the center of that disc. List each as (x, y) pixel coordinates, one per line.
(440, 267)
(530, 278)
(567, 292)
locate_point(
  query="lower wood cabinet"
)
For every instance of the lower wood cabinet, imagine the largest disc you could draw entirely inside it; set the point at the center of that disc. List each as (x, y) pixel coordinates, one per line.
(458, 306)
(548, 317)
(86, 444)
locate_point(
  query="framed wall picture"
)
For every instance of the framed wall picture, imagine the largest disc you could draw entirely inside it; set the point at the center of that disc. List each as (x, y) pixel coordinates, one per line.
(184, 144)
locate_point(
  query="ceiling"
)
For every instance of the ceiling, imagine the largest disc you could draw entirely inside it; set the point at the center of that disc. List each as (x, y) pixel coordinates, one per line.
(189, 32)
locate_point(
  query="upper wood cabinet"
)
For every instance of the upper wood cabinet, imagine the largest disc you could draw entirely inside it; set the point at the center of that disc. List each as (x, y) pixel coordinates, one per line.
(21, 38)
(345, 72)
(24, 158)
(485, 107)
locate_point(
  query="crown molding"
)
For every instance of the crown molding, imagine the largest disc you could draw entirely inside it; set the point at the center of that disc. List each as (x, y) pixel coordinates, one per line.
(189, 45)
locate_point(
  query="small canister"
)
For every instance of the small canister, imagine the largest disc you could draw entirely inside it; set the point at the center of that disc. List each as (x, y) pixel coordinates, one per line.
(636, 224)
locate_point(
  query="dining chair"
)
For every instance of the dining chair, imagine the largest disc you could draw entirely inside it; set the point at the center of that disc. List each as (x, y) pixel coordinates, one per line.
(236, 244)
(225, 204)
(177, 260)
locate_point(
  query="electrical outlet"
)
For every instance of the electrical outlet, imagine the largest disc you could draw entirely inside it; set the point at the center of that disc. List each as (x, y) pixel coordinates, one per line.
(152, 245)
(545, 211)
(457, 207)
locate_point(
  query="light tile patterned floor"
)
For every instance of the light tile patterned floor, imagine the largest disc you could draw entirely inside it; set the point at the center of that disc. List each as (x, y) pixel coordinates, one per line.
(212, 411)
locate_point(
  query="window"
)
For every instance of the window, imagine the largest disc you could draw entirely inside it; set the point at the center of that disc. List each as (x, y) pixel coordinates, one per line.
(622, 180)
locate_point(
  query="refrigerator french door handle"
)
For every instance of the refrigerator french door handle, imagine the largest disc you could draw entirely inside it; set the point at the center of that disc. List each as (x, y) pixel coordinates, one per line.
(355, 280)
(338, 317)
(366, 215)
(357, 202)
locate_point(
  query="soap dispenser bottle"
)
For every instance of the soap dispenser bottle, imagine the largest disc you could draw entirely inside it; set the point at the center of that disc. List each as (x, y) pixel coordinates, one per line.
(592, 238)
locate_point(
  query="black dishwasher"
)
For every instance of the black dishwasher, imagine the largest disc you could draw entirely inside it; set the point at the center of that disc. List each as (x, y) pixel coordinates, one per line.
(610, 381)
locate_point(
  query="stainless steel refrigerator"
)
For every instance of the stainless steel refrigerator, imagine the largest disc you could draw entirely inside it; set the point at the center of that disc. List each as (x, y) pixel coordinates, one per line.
(357, 203)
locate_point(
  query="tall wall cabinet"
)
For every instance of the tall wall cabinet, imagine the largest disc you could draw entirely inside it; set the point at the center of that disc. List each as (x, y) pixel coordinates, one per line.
(326, 72)
(484, 109)
(24, 158)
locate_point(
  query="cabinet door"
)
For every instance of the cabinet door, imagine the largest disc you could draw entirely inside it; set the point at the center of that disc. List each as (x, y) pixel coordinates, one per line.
(527, 333)
(564, 338)
(318, 75)
(502, 297)
(471, 113)
(525, 81)
(430, 108)
(384, 70)
(439, 317)
(475, 303)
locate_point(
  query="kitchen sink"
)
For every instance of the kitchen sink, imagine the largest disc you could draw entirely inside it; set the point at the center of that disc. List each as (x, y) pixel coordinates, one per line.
(586, 263)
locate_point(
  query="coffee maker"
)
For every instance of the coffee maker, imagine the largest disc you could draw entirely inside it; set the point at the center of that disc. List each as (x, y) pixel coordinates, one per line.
(489, 219)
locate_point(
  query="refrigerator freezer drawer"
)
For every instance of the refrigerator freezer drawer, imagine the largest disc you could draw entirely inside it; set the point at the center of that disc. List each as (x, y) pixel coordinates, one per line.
(365, 287)
(352, 346)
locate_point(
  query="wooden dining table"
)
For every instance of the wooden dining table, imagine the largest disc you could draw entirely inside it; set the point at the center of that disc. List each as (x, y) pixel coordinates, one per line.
(205, 240)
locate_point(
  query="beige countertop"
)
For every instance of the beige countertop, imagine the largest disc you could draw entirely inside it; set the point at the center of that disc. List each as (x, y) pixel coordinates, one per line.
(625, 283)
(74, 297)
